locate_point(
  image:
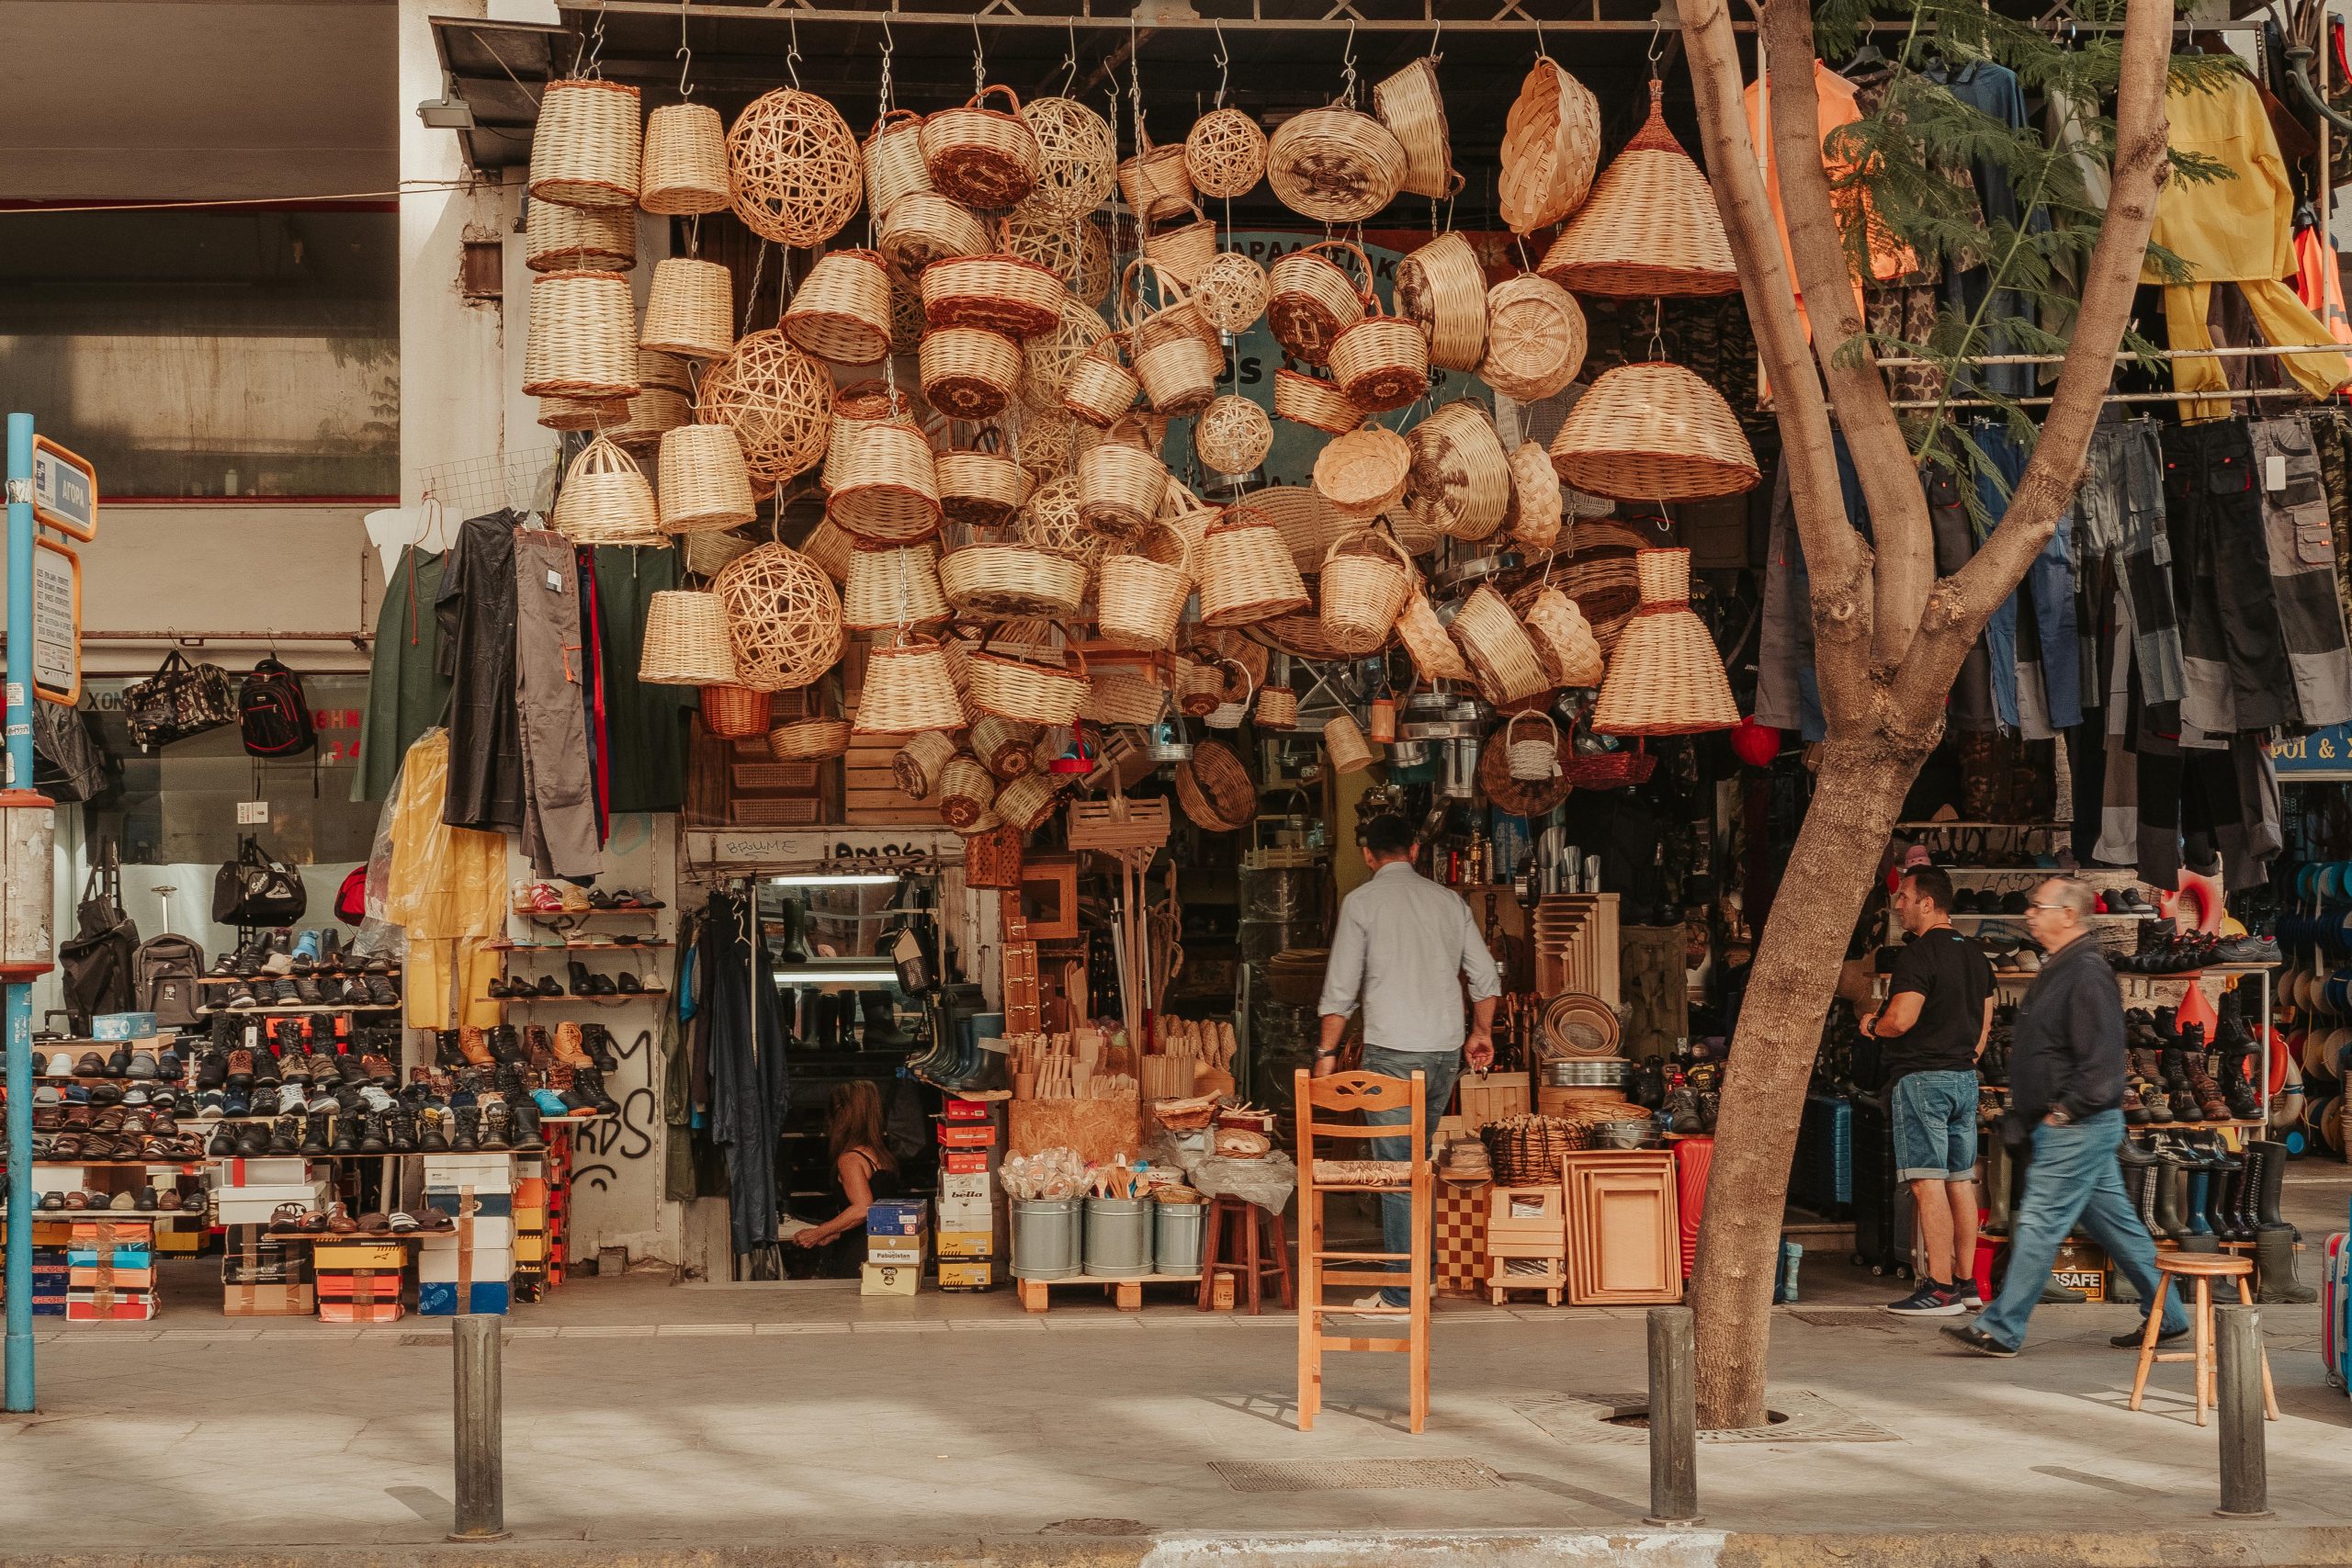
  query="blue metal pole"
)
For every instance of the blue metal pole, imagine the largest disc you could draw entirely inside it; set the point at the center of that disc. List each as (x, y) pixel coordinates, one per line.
(19, 1386)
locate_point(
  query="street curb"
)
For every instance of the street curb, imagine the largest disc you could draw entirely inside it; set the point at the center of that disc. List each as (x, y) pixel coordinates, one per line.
(2220, 1546)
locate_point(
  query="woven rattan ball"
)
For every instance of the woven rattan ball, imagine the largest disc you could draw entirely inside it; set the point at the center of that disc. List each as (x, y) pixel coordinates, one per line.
(1226, 154)
(1044, 442)
(784, 618)
(794, 173)
(778, 400)
(1048, 356)
(1233, 435)
(1050, 521)
(1231, 294)
(1078, 158)
(1073, 249)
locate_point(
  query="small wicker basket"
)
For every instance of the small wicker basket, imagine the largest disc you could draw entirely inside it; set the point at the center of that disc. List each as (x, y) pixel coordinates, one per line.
(580, 239)
(1225, 154)
(881, 483)
(582, 340)
(685, 640)
(1335, 165)
(893, 157)
(980, 156)
(1382, 362)
(1119, 489)
(1002, 293)
(984, 490)
(1509, 669)
(909, 689)
(1312, 401)
(1363, 473)
(1028, 801)
(924, 227)
(1535, 338)
(810, 739)
(893, 585)
(1012, 580)
(732, 713)
(1443, 288)
(1121, 696)
(605, 500)
(1006, 747)
(1311, 301)
(704, 484)
(691, 310)
(1343, 740)
(1183, 251)
(841, 311)
(585, 414)
(1246, 574)
(1461, 480)
(1665, 677)
(1564, 637)
(1536, 759)
(707, 555)
(969, 373)
(1551, 147)
(1364, 582)
(586, 146)
(1176, 354)
(1654, 432)
(1099, 387)
(1143, 592)
(794, 172)
(1155, 183)
(1435, 657)
(1026, 690)
(1410, 106)
(1277, 708)
(684, 167)
(916, 766)
(967, 791)
(1048, 358)
(1535, 503)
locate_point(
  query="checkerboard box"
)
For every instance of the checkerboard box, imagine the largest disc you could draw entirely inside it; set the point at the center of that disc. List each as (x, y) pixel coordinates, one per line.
(1461, 1237)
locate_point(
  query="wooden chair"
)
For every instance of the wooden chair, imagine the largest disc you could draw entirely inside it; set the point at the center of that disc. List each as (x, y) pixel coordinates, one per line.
(2203, 1267)
(1347, 1092)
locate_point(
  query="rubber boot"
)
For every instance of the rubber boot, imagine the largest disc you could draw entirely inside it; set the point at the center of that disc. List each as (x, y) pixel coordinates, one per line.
(828, 1014)
(2220, 1186)
(2243, 1186)
(882, 1031)
(2273, 1270)
(793, 945)
(2265, 1201)
(2201, 1182)
(2168, 1215)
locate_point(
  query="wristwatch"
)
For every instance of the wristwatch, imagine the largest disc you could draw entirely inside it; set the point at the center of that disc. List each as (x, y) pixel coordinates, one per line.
(2058, 1117)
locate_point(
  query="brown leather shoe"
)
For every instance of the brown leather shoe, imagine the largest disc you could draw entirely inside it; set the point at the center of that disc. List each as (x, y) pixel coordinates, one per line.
(567, 1046)
(473, 1047)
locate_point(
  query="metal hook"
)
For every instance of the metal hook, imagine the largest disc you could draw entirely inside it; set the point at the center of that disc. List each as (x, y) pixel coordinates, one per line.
(1223, 64)
(596, 43)
(1543, 50)
(1436, 32)
(792, 57)
(686, 55)
(1658, 47)
(1348, 66)
(889, 46)
(980, 66)
(1071, 59)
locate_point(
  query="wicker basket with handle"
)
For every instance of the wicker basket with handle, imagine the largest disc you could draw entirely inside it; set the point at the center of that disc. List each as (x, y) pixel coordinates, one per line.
(1099, 387)
(894, 165)
(1435, 657)
(1509, 668)
(1409, 105)
(1442, 287)
(1537, 757)
(1650, 228)
(1335, 165)
(982, 156)
(1364, 582)
(1311, 300)
(586, 148)
(1246, 574)
(1382, 362)
(841, 311)
(1144, 590)
(1028, 690)
(1002, 293)
(1048, 358)
(1156, 181)
(1277, 708)
(909, 689)
(1315, 402)
(1175, 353)
(1654, 432)
(1183, 251)
(1119, 488)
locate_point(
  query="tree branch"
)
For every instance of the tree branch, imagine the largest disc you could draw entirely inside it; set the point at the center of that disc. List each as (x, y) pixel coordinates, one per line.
(1836, 558)
(1962, 605)
(1899, 529)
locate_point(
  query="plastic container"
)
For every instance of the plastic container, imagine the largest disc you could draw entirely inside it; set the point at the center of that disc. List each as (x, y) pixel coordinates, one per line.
(1046, 1237)
(1118, 1237)
(1177, 1230)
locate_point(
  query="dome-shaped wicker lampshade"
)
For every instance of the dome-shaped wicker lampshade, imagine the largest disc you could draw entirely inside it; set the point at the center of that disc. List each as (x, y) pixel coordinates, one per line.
(1650, 227)
(1665, 677)
(1654, 432)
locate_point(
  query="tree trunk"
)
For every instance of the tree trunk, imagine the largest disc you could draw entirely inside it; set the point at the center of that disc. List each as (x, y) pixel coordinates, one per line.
(1854, 807)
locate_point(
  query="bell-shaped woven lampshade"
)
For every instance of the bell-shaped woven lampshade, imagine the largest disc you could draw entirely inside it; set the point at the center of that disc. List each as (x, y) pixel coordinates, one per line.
(605, 500)
(690, 310)
(908, 690)
(586, 147)
(1654, 432)
(1650, 227)
(685, 640)
(1665, 677)
(893, 585)
(684, 169)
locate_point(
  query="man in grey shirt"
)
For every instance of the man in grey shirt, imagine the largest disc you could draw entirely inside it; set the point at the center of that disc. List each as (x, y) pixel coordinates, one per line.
(1403, 947)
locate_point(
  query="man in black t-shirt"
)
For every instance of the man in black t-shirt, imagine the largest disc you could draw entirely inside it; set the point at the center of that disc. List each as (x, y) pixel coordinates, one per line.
(1938, 1015)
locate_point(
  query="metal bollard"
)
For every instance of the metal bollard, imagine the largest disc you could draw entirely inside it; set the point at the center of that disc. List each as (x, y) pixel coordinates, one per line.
(2245, 1469)
(475, 1339)
(1674, 1419)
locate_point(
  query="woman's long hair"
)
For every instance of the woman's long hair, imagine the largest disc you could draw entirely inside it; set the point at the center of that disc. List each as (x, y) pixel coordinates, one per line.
(854, 1120)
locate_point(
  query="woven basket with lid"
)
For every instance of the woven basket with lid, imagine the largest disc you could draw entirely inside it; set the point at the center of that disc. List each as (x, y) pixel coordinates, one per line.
(1654, 432)
(585, 148)
(1665, 677)
(1535, 338)
(841, 311)
(1443, 288)
(982, 156)
(605, 500)
(685, 640)
(690, 310)
(1335, 165)
(1410, 106)
(1311, 299)
(1551, 147)
(582, 340)
(1650, 228)
(684, 167)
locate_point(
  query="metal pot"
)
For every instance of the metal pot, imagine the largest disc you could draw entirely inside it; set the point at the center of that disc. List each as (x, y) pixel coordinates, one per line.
(1586, 1072)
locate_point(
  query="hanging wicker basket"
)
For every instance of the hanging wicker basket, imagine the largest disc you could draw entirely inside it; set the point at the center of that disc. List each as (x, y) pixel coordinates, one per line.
(1071, 248)
(1155, 183)
(1335, 165)
(1537, 758)
(775, 398)
(605, 500)
(1233, 698)
(810, 739)
(1197, 687)
(1382, 362)
(1027, 690)
(969, 373)
(585, 414)
(794, 172)
(1006, 747)
(981, 490)
(980, 156)
(1497, 647)
(1231, 293)
(1119, 489)
(1143, 592)
(1654, 432)
(1535, 507)
(1183, 251)
(685, 640)
(1435, 657)
(909, 689)
(915, 768)
(1246, 574)
(1410, 106)
(1651, 227)
(1050, 522)
(841, 311)
(585, 148)
(1048, 360)
(1028, 801)
(967, 791)
(1175, 353)
(582, 340)
(924, 227)
(1012, 580)
(1363, 473)
(690, 310)
(1120, 696)
(707, 555)
(1535, 338)
(1443, 288)
(1233, 435)
(1215, 790)
(784, 618)
(893, 585)
(1277, 708)
(1099, 387)
(1002, 293)
(1305, 521)
(1365, 581)
(1461, 480)
(1311, 299)
(859, 404)
(1344, 742)
(580, 239)
(1225, 154)
(684, 167)
(1665, 677)
(731, 713)
(1312, 401)
(1076, 157)
(1564, 637)
(893, 157)
(649, 415)
(881, 484)
(704, 484)
(829, 546)
(1551, 147)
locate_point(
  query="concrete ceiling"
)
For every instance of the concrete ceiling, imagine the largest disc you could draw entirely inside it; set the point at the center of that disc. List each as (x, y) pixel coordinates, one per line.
(124, 99)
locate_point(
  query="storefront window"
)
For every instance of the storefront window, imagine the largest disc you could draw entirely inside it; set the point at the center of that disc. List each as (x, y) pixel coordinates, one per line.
(178, 805)
(249, 353)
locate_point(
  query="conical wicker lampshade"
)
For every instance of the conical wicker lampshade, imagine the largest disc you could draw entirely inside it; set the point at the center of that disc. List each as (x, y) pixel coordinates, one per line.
(908, 690)
(685, 641)
(1650, 227)
(1654, 432)
(1665, 677)
(683, 167)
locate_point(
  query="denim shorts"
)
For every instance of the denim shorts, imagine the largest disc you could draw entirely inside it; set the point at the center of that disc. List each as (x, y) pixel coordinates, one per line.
(1935, 1127)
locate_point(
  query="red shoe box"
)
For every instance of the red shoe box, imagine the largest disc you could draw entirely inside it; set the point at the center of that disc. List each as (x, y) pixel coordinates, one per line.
(104, 1305)
(360, 1312)
(89, 1278)
(360, 1287)
(964, 1162)
(967, 1109)
(966, 1135)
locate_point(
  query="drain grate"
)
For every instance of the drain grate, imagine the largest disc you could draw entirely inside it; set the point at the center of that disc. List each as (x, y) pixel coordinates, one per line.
(1806, 1417)
(1358, 1475)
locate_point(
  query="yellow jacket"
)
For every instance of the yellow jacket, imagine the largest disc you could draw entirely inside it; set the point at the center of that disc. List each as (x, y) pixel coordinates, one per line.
(2227, 230)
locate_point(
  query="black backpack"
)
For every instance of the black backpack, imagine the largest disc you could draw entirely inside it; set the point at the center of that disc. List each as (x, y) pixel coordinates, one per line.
(96, 959)
(272, 714)
(164, 978)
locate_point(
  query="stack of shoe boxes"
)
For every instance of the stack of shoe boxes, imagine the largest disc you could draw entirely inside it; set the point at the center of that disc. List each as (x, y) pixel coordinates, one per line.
(894, 1247)
(110, 1271)
(530, 1227)
(248, 1192)
(469, 1268)
(51, 1272)
(558, 1162)
(265, 1276)
(973, 1231)
(360, 1280)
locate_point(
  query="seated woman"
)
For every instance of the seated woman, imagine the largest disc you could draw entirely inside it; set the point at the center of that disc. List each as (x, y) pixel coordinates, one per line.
(864, 1169)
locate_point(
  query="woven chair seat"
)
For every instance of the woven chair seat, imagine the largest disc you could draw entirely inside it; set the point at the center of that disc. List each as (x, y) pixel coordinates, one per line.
(1364, 1172)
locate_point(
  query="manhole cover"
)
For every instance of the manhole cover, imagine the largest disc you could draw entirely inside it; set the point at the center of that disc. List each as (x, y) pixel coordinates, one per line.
(1358, 1475)
(1798, 1416)
(1096, 1527)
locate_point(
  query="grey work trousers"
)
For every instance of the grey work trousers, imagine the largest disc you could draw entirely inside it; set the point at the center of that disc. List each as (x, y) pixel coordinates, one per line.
(551, 668)
(2121, 505)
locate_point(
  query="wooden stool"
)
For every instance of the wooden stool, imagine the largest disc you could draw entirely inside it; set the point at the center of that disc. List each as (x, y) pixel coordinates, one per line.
(2204, 1267)
(1258, 1248)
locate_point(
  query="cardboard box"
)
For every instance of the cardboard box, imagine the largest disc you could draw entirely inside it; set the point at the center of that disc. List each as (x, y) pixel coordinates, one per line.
(438, 1298)
(361, 1312)
(83, 1277)
(279, 1172)
(178, 1238)
(360, 1285)
(114, 1230)
(968, 1162)
(530, 1249)
(531, 1219)
(530, 1192)
(259, 1300)
(897, 1216)
(257, 1205)
(441, 1260)
(966, 1135)
(136, 1027)
(111, 1257)
(966, 1275)
(966, 1214)
(966, 1244)
(955, 1187)
(897, 1252)
(889, 1279)
(108, 1306)
(486, 1202)
(967, 1109)
(484, 1173)
(342, 1257)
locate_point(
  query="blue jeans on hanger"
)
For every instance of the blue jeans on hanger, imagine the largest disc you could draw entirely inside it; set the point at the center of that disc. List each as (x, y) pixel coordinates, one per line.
(2049, 588)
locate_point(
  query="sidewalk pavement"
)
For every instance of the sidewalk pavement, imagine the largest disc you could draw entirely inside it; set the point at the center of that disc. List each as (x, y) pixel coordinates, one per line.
(800, 1423)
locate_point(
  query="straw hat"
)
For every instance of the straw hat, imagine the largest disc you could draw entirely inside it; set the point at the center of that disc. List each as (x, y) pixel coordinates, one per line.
(1665, 677)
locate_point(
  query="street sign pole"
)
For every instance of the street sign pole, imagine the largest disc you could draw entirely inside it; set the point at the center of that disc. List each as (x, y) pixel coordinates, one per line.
(19, 1362)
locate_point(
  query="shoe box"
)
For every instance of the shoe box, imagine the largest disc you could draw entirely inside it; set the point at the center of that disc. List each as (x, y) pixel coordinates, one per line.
(359, 1295)
(136, 1028)
(268, 1301)
(966, 1273)
(105, 1305)
(251, 1256)
(889, 1279)
(257, 1204)
(439, 1298)
(50, 1274)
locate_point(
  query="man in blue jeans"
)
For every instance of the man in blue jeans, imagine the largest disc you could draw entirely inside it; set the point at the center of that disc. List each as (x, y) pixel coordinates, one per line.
(1403, 946)
(2066, 1076)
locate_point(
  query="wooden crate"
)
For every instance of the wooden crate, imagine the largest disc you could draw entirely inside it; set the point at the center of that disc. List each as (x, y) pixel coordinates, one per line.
(870, 794)
(1492, 1097)
(1624, 1237)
